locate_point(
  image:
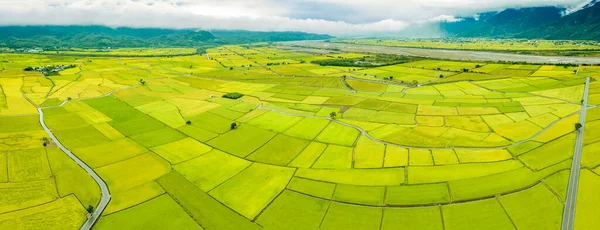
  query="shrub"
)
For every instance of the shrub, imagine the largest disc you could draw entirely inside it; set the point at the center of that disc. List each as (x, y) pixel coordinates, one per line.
(233, 126)
(333, 115)
(578, 126)
(233, 95)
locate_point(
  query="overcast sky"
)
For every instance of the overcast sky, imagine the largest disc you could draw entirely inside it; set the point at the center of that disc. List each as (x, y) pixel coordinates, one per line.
(336, 17)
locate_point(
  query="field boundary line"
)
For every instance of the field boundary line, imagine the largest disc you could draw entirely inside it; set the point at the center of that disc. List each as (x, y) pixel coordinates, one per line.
(275, 198)
(506, 212)
(488, 197)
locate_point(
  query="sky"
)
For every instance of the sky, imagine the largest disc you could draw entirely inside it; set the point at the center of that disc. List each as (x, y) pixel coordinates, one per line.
(334, 17)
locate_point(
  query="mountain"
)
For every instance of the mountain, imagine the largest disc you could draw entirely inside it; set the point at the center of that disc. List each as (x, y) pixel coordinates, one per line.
(580, 25)
(552, 23)
(102, 37)
(504, 23)
(99, 37)
(243, 36)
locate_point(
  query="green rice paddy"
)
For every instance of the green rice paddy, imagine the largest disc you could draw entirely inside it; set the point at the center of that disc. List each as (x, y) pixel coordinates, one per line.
(484, 150)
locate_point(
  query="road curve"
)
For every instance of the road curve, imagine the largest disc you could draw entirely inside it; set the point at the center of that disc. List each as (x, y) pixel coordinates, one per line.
(366, 134)
(568, 221)
(89, 223)
(460, 55)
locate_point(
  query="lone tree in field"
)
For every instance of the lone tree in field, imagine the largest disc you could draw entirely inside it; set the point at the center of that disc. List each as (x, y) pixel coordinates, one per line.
(441, 76)
(233, 126)
(188, 122)
(578, 126)
(333, 115)
(45, 141)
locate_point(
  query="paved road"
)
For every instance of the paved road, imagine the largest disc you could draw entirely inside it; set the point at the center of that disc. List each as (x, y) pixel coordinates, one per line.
(462, 55)
(569, 211)
(103, 187)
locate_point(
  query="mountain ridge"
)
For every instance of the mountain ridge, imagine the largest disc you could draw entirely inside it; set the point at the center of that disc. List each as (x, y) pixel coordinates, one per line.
(553, 23)
(97, 36)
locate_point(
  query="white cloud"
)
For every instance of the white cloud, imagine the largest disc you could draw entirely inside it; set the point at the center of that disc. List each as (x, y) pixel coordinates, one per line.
(444, 18)
(358, 16)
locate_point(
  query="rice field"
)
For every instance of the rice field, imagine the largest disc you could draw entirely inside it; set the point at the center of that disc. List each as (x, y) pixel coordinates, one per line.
(305, 147)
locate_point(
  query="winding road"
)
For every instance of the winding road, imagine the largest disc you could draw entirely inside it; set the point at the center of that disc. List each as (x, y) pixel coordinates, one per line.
(103, 187)
(568, 221)
(366, 134)
(460, 55)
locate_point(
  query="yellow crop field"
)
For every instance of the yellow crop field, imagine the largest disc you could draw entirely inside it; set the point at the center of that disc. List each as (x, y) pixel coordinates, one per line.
(287, 136)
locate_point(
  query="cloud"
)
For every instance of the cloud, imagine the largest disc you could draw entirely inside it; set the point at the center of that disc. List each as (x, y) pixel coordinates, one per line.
(444, 18)
(336, 17)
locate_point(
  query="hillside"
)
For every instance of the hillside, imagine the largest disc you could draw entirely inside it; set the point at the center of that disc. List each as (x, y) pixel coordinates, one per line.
(243, 36)
(532, 23)
(99, 37)
(503, 24)
(102, 37)
(581, 25)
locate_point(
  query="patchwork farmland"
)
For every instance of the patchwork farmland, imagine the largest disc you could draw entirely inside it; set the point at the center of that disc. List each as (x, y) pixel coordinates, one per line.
(426, 144)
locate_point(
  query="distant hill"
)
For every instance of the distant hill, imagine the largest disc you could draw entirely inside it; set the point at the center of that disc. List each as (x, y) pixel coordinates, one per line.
(242, 36)
(99, 37)
(504, 23)
(531, 23)
(102, 37)
(581, 25)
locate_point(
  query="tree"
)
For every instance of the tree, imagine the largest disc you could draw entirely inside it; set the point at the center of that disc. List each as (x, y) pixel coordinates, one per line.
(45, 141)
(233, 126)
(441, 76)
(230, 68)
(578, 126)
(90, 209)
(391, 77)
(415, 82)
(333, 115)
(188, 122)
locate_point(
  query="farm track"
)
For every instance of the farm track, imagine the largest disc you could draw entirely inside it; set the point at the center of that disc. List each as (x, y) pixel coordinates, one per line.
(571, 199)
(366, 134)
(105, 199)
(458, 55)
(105, 192)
